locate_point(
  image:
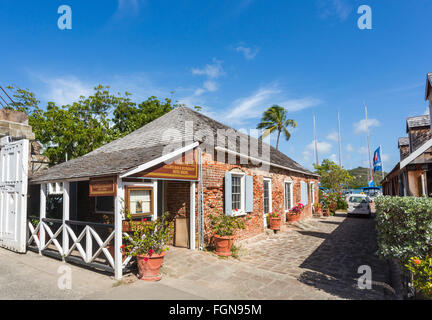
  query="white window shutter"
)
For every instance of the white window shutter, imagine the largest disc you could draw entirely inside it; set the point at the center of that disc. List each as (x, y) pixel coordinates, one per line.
(228, 196)
(249, 194)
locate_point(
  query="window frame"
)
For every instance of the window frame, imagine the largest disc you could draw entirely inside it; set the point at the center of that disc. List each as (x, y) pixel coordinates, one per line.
(291, 186)
(128, 190)
(269, 180)
(312, 192)
(242, 210)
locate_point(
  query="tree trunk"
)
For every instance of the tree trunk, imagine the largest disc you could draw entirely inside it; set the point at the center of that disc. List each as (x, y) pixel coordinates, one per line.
(277, 142)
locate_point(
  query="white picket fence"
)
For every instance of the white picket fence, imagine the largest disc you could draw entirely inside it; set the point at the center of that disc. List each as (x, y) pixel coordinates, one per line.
(89, 253)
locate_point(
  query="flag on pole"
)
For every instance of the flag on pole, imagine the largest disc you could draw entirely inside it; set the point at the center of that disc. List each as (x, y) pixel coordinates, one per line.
(377, 163)
(371, 183)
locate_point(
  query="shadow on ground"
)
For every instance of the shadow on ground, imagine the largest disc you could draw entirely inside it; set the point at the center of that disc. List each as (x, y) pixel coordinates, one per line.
(333, 266)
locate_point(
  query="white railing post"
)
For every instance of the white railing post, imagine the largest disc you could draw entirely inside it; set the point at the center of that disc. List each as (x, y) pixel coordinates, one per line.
(65, 216)
(89, 245)
(118, 219)
(192, 216)
(42, 215)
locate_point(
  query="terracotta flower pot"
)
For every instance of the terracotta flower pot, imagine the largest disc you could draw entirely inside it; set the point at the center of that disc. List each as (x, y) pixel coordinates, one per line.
(275, 223)
(149, 266)
(223, 245)
(292, 217)
(326, 212)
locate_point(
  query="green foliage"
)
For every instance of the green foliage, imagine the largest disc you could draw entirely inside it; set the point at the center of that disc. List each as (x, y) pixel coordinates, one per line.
(74, 130)
(148, 236)
(422, 274)
(332, 176)
(361, 177)
(404, 227)
(275, 119)
(224, 225)
(334, 201)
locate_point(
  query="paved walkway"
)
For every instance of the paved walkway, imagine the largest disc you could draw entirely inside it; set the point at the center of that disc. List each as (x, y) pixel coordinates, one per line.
(316, 259)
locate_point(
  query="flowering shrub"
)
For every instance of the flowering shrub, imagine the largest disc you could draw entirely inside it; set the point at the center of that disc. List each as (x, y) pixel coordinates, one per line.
(274, 214)
(297, 209)
(422, 274)
(334, 201)
(148, 237)
(224, 225)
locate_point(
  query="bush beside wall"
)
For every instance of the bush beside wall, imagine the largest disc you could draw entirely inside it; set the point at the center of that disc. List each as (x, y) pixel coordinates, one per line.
(404, 227)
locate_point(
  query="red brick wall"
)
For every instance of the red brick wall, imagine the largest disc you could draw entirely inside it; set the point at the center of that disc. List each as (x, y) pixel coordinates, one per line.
(213, 178)
(177, 194)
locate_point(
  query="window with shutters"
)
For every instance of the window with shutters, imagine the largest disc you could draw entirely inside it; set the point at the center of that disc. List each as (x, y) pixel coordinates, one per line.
(236, 192)
(267, 195)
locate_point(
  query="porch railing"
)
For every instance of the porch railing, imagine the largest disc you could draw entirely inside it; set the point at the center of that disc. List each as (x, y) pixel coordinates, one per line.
(84, 242)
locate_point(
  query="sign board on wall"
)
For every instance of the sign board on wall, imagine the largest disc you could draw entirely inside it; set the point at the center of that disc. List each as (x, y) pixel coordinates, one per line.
(183, 168)
(106, 186)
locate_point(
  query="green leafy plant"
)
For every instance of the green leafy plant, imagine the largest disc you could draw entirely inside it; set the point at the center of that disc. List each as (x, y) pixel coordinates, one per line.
(224, 225)
(404, 227)
(148, 237)
(422, 274)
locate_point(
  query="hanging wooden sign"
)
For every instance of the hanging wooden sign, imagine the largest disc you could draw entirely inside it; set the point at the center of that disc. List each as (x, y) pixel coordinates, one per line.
(100, 187)
(184, 168)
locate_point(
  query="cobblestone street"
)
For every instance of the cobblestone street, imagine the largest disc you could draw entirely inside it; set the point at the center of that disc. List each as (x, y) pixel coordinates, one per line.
(316, 259)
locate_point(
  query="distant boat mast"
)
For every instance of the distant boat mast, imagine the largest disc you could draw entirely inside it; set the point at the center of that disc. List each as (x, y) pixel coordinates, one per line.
(315, 141)
(368, 142)
(340, 142)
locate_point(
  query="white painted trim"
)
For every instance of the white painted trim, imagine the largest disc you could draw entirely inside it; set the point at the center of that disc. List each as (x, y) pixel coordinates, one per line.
(415, 154)
(192, 230)
(42, 215)
(155, 202)
(156, 161)
(263, 161)
(118, 219)
(291, 186)
(270, 195)
(66, 201)
(242, 211)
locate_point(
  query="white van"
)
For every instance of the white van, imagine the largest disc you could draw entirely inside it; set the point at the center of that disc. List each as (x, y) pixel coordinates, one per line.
(359, 204)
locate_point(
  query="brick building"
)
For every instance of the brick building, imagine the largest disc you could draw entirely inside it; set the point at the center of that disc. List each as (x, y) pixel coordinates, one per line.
(412, 176)
(183, 163)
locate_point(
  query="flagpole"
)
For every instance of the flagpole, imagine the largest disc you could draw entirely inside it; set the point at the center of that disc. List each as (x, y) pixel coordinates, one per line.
(315, 141)
(340, 142)
(368, 142)
(382, 162)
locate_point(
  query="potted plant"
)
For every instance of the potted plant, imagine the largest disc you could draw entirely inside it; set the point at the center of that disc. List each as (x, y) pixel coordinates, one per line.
(148, 242)
(317, 207)
(294, 214)
(224, 227)
(275, 221)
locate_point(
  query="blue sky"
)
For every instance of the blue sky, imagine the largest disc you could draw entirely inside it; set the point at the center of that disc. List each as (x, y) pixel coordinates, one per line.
(236, 58)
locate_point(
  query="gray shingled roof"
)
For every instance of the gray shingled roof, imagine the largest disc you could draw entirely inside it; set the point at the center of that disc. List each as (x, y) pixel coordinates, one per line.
(148, 143)
(418, 121)
(403, 141)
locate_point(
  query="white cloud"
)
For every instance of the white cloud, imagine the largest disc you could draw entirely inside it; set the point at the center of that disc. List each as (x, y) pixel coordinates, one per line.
(333, 157)
(363, 150)
(323, 147)
(334, 8)
(333, 136)
(127, 8)
(212, 71)
(360, 127)
(211, 86)
(426, 111)
(254, 105)
(385, 157)
(248, 53)
(65, 90)
(349, 148)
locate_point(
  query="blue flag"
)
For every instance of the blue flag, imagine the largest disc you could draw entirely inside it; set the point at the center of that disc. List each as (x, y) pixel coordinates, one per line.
(377, 164)
(371, 183)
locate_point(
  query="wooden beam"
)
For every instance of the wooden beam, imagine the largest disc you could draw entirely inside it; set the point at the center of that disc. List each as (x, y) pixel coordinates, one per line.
(66, 201)
(118, 219)
(42, 215)
(192, 217)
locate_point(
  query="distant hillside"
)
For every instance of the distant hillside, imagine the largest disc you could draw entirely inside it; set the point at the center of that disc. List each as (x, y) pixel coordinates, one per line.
(361, 177)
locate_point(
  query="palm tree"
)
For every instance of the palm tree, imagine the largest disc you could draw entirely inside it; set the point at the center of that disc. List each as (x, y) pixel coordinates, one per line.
(275, 118)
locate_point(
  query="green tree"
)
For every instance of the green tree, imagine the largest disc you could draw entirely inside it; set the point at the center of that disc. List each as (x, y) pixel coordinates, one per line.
(76, 129)
(332, 176)
(275, 119)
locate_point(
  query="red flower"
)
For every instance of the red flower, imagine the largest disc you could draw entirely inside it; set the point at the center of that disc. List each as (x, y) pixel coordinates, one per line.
(150, 252)
(122, 246)
(416, 261)
(145, 259)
